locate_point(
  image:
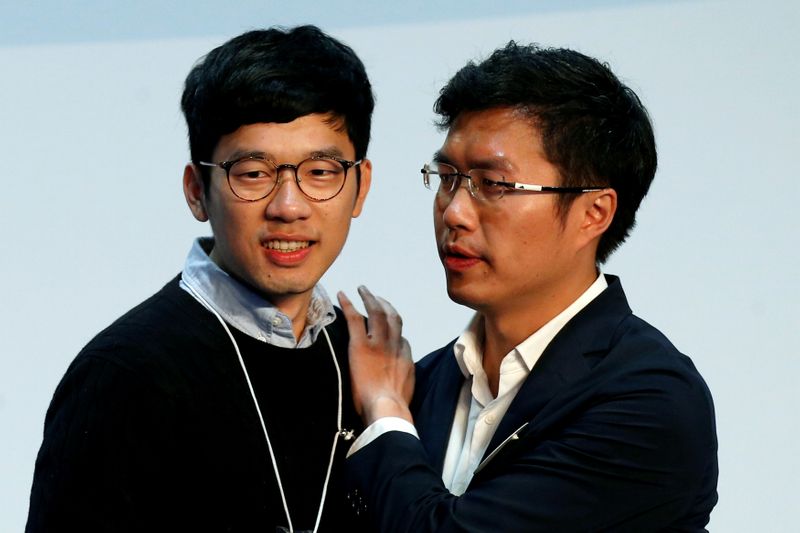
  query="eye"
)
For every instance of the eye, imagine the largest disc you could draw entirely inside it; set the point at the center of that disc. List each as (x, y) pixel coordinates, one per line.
(492, 189)
(448, 175)
(321, 169)
(490, 183)
(448, 179)
(252, 169)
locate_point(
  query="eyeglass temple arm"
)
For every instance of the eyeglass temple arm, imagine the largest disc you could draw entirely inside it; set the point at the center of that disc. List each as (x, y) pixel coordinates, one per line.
(546, 188)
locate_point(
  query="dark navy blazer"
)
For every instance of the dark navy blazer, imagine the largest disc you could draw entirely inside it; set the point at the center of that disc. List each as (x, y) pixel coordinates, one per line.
(613, 430)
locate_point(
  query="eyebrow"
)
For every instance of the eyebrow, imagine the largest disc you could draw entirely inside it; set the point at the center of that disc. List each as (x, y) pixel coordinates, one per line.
(328, 151)
(241, 154)
(492, 163)
(439, 157)
(487, 163)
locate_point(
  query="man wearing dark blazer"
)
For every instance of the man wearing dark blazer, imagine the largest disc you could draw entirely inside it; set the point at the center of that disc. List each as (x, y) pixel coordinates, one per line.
(557, 409)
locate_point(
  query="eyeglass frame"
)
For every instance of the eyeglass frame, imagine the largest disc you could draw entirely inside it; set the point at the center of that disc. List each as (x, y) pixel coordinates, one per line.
(509, 186)
(227, 165)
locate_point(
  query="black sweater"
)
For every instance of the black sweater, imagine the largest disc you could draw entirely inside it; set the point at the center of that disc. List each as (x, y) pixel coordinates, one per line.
(153, 428)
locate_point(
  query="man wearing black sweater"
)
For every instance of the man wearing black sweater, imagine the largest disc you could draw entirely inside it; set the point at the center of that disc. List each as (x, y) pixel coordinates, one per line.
(194, 411)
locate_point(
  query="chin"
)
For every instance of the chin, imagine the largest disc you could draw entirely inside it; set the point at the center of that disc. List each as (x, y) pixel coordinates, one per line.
(283, 290)
(273, 289)
(462, 297)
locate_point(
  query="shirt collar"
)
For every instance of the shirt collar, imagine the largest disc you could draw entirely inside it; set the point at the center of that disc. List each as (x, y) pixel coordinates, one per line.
(246, 310)
(468, 349)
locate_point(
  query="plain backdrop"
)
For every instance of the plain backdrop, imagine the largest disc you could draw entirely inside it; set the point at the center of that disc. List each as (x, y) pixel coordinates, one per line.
(92, 146)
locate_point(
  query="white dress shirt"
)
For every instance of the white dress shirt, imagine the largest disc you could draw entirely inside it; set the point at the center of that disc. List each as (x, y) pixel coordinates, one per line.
(478, 412)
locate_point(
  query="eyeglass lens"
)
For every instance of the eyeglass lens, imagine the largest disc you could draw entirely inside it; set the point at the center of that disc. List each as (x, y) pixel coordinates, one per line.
(482, 184)
(318, 178)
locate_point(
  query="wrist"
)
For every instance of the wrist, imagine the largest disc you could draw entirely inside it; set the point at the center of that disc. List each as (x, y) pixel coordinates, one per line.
(383, 406)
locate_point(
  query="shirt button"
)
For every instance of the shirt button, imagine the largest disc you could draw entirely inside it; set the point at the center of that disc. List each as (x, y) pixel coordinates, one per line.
(489, 419)
(276, 321)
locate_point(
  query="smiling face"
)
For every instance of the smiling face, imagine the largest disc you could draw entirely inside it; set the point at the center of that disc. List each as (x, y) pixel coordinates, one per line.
(514, 254)
(281, 245)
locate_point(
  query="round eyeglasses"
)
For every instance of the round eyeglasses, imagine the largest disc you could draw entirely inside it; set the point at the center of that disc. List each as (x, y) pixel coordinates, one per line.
(484, 185)
(253, 178)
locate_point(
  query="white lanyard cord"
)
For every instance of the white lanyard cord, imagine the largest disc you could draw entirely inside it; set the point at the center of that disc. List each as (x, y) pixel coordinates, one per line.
(339, 431)
(261, 417)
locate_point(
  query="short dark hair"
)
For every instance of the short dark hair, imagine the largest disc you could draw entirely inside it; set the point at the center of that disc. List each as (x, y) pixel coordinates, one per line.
(276, 75)
(594, 128)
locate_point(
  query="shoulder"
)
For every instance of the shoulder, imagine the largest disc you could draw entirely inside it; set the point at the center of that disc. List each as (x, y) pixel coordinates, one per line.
(617, 344)
(432, 369)
(161, 314)
(431, 362)
(623, 355)
(645, 384)
(154, 338)
(638, 404)
(639, 349)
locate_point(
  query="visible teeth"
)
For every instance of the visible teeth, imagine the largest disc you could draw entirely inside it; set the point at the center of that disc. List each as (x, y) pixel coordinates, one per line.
(287, 246)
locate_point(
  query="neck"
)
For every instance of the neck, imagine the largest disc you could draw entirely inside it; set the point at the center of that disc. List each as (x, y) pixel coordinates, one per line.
(296, 308)
(507, 325)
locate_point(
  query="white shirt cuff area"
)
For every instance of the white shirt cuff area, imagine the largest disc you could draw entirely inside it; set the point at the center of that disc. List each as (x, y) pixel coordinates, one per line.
(378, 428)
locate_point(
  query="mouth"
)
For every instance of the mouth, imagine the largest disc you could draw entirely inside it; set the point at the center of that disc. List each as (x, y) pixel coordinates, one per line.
(459, 259)
(279, 245)
(287, 252)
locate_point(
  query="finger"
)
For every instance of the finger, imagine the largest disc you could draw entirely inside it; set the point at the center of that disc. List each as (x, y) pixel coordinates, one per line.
(391, 312)
(355, 320)
(376, 316)
(405, 349)
(393, 320)
(408, 388)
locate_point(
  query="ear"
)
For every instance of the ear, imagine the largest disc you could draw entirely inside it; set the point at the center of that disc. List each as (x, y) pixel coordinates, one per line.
(598, 213)
(363, 188)
(194, 191)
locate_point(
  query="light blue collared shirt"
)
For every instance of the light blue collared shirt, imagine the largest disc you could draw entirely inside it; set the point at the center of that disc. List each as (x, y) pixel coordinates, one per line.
(246, 310)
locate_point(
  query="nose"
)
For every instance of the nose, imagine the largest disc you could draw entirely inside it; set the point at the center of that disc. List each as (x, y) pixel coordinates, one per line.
(458, 210)
(287, 202)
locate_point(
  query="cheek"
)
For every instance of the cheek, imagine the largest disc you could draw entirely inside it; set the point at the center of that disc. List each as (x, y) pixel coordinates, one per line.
(438, 217)
(239, 224)
(439, 231)
(336, 222)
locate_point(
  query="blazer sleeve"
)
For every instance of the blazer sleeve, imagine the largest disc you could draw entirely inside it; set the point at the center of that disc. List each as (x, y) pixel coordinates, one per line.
(633, 453)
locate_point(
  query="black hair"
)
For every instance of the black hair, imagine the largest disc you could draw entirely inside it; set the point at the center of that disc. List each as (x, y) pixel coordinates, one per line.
(594, 128)
(276, 75)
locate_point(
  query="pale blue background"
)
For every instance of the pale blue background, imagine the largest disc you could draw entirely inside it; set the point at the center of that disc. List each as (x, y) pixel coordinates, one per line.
(92, 145)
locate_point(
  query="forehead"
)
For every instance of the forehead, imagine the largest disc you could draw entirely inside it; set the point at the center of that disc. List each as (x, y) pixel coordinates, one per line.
(303, 137)
(498, 137)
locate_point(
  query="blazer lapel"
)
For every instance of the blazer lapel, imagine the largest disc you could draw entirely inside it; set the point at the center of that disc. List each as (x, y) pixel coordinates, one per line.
(554, 371)
(433, 416)
(563, 362)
